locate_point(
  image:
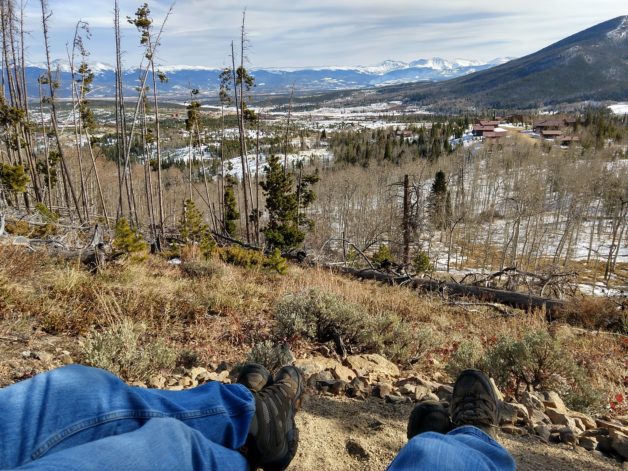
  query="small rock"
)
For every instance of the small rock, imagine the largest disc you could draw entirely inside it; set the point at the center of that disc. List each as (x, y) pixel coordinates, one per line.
(137, 384)
(543, 431)
(186, 382)
(538, 417)
(43, 356)
(382, 389)
(568, 436)
(223, 376)
(376, 425)
(512, 430)
(444, 392)
(356, 450)
(619, 443)
(197, 372)
(358, 388)
(372, 363)
(343, 373)
(532, 401)
(553, 400)
(157, 381)
(396, 399)
(559, 418)
(611, 425)
(175, 388)
(512, 413)
(430, 397)
(587, 421)
(26, 354)
(408, 390)
(314, 365)
(588, 443)
(66, 359)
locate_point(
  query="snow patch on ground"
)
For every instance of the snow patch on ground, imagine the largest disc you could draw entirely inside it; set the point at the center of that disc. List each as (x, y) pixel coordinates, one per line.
(619, 108)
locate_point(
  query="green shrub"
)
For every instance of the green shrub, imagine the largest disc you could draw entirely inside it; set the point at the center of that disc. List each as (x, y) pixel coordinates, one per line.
(126, 350)
(126, 240)
(536, 361)
(203, 269)
(324, 317)
(247, 258)
(421, 263)
(383, 256)
(468, 355)
(271, 355)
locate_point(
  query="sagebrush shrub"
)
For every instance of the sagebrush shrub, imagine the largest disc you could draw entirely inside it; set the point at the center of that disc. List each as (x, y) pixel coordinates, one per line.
(536, 361)
(270, 354)
(323, 317)
(125, 350)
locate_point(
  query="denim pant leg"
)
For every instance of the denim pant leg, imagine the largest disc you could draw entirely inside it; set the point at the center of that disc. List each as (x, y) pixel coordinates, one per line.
(161, 444)
(75, 405)
(463, 449)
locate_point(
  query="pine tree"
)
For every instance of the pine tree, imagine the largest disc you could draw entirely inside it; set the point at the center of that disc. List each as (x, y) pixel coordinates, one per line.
(232, 215)
(282, 204)
(127, 240)
(439, 202)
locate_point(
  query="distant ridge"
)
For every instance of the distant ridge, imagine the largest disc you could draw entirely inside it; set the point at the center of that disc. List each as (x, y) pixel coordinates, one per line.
(589, 65)
(273, 80)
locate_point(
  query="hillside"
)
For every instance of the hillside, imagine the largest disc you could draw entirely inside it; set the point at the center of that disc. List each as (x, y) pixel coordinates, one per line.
(589, 65)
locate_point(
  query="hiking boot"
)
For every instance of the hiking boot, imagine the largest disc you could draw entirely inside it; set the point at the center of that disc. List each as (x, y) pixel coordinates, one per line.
(255, 377)
(428, 416)
(273, 436)
(474, 402)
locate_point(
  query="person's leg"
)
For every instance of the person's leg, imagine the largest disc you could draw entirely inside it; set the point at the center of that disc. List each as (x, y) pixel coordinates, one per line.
(160, 444)
(76, 405)
(465, 448)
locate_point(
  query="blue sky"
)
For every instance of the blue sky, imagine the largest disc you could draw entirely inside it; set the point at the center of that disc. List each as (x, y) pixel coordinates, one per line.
(325, 32)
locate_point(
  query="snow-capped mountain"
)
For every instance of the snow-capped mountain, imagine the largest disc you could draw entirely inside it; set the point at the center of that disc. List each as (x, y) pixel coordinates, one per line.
(274, 80)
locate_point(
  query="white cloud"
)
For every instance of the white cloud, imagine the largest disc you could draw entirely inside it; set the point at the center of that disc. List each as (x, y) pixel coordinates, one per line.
(327, 32)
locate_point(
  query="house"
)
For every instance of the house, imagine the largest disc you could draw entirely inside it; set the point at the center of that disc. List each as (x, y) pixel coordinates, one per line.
(479, 130)
(548, 125)
(489, 123)
(551, 133)
(492, 135)
(567, 140)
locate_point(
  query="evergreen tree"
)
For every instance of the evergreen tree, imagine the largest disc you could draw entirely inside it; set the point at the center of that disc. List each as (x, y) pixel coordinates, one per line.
(439, 201)
(232, 215)
(126, 239)
(282, 204)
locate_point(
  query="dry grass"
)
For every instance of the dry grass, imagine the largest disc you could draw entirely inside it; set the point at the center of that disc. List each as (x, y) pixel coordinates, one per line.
(222, 312)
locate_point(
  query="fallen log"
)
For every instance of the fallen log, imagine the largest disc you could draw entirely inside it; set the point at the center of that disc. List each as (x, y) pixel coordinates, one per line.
(509, 298)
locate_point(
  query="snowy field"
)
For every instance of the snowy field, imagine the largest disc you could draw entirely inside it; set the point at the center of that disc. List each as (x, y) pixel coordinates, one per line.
(619, 108)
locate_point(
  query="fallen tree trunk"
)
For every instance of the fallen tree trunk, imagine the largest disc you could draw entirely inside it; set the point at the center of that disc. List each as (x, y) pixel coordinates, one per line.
(509, 298)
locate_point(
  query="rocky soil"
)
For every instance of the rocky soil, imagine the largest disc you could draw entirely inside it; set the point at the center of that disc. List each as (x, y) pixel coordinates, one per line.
(355, 413)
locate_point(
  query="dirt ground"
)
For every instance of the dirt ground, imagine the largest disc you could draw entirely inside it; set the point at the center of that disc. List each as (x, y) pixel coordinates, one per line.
(347, 434)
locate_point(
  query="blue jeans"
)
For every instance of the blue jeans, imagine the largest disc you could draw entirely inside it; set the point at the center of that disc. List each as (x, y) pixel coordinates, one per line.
(463, 449)
(80, 418)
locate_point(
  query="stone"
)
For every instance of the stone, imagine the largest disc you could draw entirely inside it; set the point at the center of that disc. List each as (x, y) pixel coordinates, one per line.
(568, 436)
(418, 381)
(587, 421)
(579, 424)
(538, 417)
(26, 354)
(553, 400)
(175, 388)
(396, 399)
(338, 387)
(322, 376)
(223, 376)
(513, 413)
(157, 381)
(605, 444)
(543, 431)
(198, 371)
(532, 401)
(343, 373)
(314, 365)
(358, 388)
(588, 443)
(66, 359)
(382, 390)
(137, 384)
(430, 397)
(559, 418)
(372, 363)
(619, 443)
(186, 382)
(512, 430)
(408, 390)
(611, 426)
(42, 356)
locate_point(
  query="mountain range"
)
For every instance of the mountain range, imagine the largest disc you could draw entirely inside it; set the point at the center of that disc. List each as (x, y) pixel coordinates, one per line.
(182, 78)
(591, 65)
